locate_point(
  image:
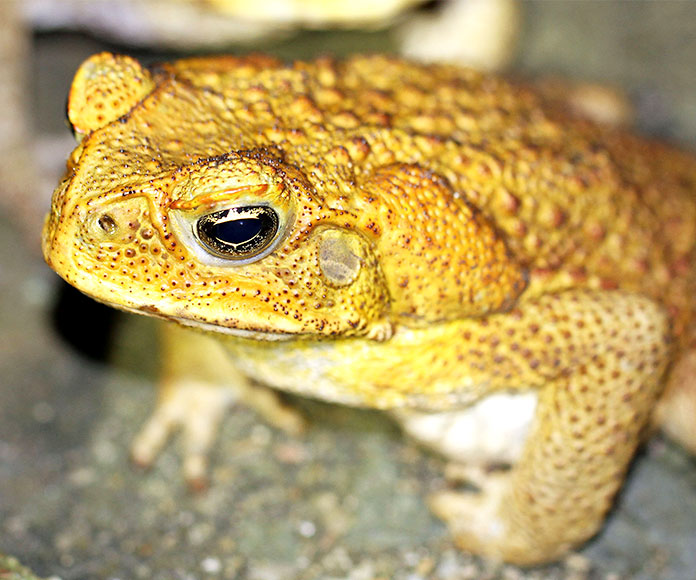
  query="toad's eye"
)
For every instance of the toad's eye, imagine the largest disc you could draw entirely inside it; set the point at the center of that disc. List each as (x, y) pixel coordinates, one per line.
(238, 233)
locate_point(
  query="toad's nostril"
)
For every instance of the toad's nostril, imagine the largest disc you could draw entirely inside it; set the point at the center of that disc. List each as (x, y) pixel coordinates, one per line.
(108, 224)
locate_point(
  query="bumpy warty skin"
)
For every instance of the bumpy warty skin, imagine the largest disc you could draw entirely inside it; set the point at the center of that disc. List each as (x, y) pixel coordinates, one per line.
(443, 235)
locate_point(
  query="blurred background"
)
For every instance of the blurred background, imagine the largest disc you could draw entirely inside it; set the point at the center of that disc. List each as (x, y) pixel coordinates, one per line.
(345, 500)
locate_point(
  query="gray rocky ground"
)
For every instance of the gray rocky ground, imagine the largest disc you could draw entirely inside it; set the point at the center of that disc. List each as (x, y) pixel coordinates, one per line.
(345, 500)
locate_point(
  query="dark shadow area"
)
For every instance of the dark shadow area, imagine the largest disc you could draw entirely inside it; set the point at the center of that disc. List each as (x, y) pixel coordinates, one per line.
(84, 324)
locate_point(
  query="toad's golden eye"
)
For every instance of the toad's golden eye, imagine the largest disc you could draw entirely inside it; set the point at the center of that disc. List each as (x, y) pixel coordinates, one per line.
(238, 233)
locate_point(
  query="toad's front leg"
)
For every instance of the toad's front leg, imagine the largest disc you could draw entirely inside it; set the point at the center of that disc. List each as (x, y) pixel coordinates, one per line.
(601, 359)
(198, 384)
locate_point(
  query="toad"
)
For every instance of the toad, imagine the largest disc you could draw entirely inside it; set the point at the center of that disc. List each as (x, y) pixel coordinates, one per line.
(511, 281)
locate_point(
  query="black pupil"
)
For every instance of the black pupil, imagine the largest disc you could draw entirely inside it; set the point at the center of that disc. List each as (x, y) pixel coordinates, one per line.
(236, 232)
(239, 232)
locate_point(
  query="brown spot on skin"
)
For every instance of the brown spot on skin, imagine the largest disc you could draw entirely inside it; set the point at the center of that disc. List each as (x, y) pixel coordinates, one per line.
(358, 148)
(552, 216)
(519, 229)
(509, 202)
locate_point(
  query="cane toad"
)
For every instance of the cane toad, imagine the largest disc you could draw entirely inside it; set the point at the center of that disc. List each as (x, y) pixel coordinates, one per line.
(427, 240)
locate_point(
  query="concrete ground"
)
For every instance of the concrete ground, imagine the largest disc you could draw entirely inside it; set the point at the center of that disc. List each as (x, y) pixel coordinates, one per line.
(345, 500)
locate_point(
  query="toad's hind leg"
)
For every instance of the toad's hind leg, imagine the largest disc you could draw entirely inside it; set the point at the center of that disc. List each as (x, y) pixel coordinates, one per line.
(599, 369)
(198, 384)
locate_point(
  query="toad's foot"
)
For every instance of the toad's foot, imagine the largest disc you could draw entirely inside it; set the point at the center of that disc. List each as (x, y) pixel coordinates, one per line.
(481, 522)
(474, 517)
(197, 409)
(199, 385)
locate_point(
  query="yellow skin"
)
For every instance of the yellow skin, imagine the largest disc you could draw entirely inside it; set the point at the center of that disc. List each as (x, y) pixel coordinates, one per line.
(442, 239)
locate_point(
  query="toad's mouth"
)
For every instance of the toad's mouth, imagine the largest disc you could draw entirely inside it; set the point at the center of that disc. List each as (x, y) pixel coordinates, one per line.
(155, 312)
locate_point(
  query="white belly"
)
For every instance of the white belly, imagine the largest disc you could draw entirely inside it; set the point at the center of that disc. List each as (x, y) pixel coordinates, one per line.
(490, 431)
